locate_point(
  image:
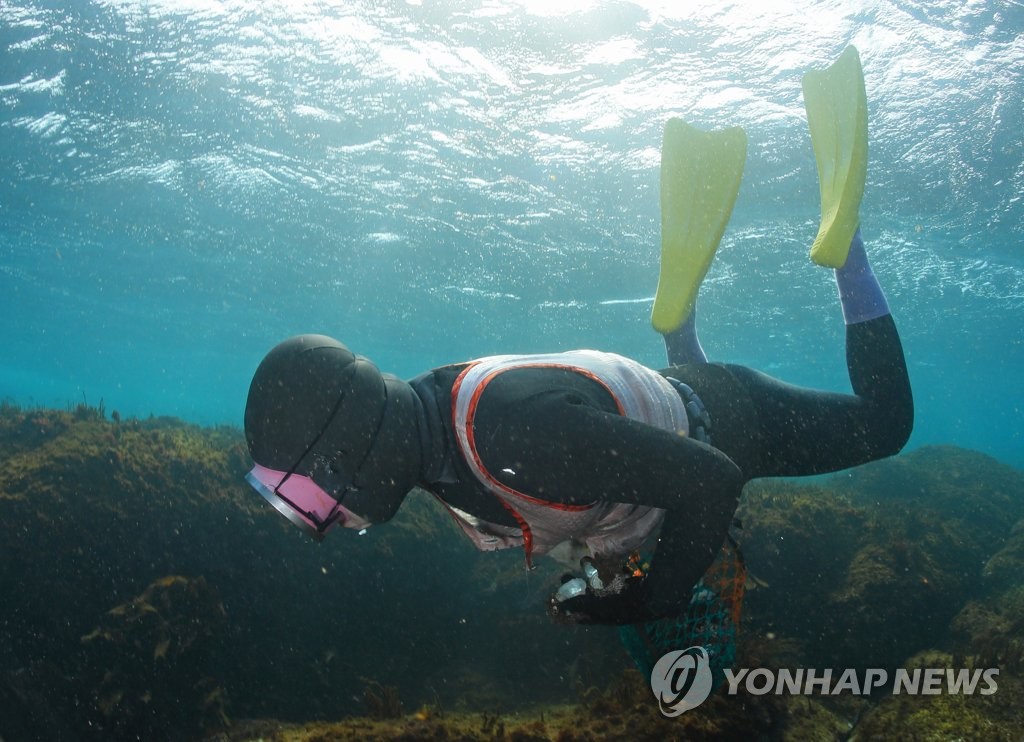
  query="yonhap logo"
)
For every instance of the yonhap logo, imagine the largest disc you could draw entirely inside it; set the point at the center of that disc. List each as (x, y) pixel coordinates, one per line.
(681, 680)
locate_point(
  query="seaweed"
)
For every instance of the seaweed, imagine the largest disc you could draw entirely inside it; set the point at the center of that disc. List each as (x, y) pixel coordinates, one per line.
(943, 716)
(381, 701)
(148, 592)
(144, 665)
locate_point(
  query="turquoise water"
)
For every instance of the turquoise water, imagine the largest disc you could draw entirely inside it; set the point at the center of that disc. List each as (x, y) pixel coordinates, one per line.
(184, 183)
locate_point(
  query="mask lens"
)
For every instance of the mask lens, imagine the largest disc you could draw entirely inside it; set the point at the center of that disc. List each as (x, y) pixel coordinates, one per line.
(297, 498)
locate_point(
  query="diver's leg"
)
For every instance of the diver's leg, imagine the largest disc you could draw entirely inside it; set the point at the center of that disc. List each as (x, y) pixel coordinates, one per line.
(682, 345)
(800, 431)
(860, 294)
(803, 431)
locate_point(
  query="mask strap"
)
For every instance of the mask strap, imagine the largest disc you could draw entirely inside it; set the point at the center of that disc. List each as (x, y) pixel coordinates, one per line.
(334, 411)
(351, 486)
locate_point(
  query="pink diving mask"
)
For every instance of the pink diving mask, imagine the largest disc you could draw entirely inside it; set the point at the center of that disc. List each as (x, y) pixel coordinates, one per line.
(302, 501)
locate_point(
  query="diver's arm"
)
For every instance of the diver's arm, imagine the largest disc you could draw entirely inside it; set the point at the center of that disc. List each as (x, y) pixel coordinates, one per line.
(554, 447)
(579, 454)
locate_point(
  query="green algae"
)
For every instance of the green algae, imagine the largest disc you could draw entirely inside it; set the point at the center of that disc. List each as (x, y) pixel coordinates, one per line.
(941, 717)
(145, 583)
(136, 659)
(850, 560)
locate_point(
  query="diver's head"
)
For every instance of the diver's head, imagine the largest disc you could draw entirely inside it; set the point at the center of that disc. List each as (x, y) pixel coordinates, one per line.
(334, 441)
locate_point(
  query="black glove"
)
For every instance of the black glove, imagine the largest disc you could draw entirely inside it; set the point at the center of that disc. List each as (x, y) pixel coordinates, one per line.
(623, 602)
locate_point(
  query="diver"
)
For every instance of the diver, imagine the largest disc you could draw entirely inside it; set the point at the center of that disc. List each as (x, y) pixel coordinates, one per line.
(591, 454)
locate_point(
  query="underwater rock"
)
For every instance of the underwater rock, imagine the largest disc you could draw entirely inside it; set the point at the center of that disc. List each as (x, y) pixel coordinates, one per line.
(991, 628)
(945, 716)
(1003, 571)
(865, 568)
(871, 565)
(93, 511)
(623, 710)
(36, 702)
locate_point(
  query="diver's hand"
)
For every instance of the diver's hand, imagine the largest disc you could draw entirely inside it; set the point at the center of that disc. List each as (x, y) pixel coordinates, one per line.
(622, 602)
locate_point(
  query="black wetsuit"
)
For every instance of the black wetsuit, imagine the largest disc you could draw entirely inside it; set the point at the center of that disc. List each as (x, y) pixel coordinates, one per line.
(562, 435)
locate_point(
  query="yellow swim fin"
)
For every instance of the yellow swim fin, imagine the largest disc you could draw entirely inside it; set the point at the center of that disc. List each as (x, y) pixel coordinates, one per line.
(837, 115)
(700, 178)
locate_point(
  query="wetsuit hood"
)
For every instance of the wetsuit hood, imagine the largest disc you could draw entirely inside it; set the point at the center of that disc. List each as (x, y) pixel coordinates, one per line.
(318, 410)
